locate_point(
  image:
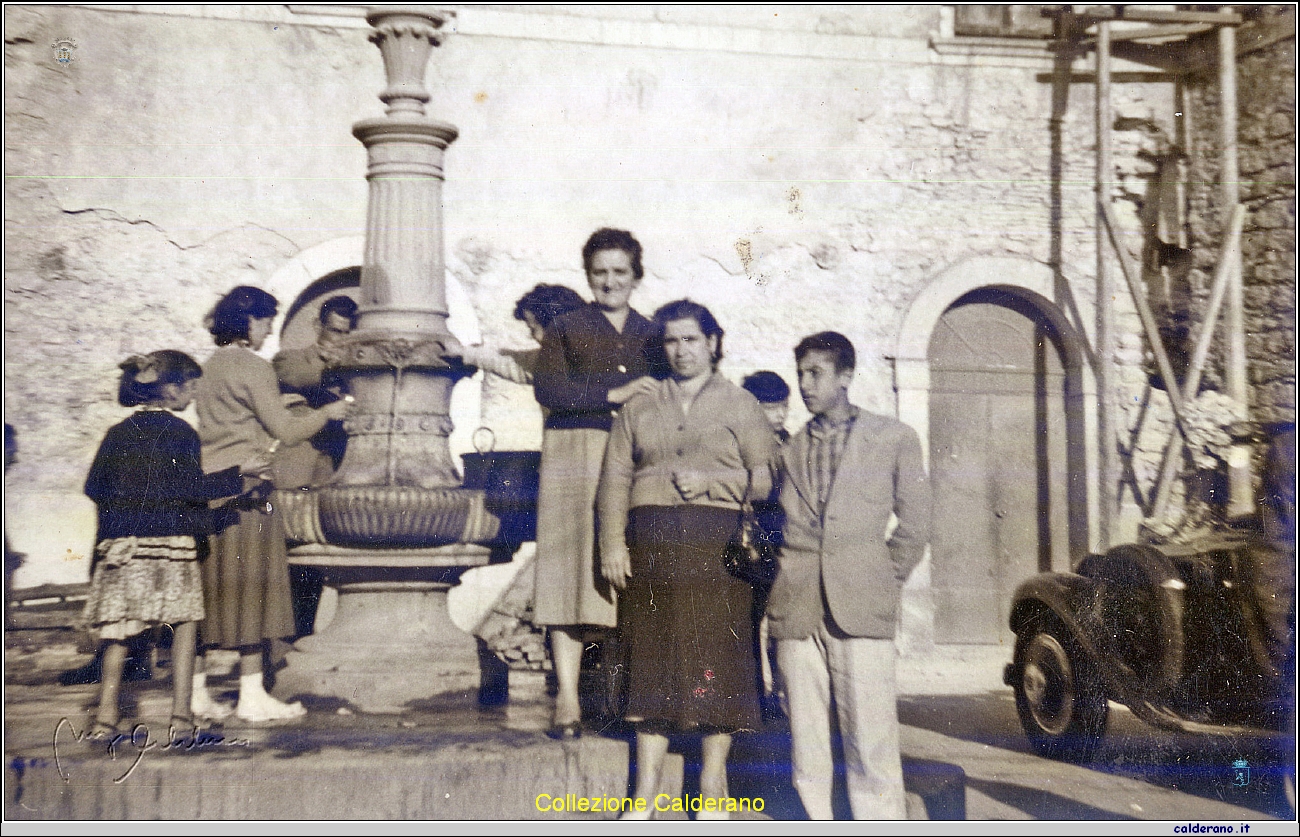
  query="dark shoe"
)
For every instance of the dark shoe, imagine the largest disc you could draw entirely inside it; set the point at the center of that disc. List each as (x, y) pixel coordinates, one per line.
(565, 732)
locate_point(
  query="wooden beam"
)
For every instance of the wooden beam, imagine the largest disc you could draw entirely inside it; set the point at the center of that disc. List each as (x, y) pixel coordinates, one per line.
(1241, 492)
(1133, 278)
(1106, 13)
(1107, 406)
(1229, 181)
(1116, 78)
(1229, 251)
(1153, 32)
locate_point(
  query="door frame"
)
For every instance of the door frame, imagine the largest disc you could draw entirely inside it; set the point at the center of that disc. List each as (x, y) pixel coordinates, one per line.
(1049, 293)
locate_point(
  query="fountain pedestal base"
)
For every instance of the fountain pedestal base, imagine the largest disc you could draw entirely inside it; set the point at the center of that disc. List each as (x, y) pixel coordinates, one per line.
(391, 644)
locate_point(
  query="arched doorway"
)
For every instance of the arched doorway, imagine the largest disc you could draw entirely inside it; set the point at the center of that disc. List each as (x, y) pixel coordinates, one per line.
(1005, 445)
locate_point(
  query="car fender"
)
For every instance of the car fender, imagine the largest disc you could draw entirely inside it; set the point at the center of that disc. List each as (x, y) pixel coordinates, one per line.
(1144, 568)
(1068, 598)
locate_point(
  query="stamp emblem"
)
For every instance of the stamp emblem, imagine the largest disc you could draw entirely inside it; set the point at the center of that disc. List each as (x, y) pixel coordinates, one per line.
(63, 48)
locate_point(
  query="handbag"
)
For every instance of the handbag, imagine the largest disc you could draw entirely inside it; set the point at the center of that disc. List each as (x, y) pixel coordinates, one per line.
(750, 556)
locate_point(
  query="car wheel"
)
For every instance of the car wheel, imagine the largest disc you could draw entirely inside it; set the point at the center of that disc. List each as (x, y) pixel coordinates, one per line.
(1061, 704)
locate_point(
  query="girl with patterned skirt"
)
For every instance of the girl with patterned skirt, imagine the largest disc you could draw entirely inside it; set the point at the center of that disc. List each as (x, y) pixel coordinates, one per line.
(153, 499)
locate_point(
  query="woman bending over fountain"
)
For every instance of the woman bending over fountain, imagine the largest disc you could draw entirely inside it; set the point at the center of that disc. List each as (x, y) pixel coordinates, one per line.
(535, 309)
(592, 361)
(246, 576)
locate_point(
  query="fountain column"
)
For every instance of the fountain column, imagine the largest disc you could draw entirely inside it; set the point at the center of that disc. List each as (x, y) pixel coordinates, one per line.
(394, 530)
(399, 427)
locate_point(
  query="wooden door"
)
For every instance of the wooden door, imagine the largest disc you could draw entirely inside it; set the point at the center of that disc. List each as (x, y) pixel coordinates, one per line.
(998, 461)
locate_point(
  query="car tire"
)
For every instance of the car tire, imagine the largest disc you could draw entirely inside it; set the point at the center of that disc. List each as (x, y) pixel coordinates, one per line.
(1061, 703)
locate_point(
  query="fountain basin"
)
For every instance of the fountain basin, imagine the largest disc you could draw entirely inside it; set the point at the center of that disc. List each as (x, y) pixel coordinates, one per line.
(401, 517)
(391, 645)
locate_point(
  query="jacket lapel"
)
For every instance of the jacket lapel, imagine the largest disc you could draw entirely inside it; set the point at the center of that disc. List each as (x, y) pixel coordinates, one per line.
(853, 459)
(796, 463)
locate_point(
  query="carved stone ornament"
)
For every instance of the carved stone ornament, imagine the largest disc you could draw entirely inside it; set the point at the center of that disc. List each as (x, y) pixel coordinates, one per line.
(405, 38)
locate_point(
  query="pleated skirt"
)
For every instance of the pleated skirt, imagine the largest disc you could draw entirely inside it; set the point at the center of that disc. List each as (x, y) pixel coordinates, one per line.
(246, 584)
(687, 625)
(570, 589)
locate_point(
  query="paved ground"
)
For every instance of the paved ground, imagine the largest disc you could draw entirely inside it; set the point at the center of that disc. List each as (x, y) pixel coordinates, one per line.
(458, 761)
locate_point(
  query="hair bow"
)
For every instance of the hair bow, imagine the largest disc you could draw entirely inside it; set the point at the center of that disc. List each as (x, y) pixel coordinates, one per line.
(146, 368)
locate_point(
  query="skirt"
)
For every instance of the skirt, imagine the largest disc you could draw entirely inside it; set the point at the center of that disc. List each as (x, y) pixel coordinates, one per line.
(570, 589)
(246, 584)
(687, 625)
(139, 583)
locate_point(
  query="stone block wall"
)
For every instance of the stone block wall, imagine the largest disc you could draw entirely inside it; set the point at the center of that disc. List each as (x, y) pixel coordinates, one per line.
(1266, 95)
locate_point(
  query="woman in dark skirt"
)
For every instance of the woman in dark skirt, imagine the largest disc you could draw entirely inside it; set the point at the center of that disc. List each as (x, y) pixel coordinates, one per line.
(246, 576)
(680, 460)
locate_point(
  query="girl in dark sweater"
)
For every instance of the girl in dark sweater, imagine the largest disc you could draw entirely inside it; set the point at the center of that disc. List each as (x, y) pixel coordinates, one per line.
(153, 500)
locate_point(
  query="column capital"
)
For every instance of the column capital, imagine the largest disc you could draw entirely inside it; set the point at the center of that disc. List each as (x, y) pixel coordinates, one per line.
(405, 37)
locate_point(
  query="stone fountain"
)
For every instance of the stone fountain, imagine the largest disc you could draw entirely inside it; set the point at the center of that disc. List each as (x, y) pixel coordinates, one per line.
(394, 529)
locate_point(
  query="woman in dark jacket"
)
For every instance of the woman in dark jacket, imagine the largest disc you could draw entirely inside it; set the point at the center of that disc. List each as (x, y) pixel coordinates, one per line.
(591, 362)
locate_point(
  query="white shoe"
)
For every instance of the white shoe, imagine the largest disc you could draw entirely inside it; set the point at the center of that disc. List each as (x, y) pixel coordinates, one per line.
(266, 708)
(634, 814)
(203, 707)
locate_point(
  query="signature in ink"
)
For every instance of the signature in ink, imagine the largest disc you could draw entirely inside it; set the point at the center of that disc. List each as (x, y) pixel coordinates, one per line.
(130, 747)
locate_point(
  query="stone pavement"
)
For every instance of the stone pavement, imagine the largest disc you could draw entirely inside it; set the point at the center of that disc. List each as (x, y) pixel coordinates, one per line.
(446, 759)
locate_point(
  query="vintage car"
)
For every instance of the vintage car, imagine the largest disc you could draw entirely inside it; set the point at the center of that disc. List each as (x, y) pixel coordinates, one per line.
(1195, 636)
(1170, 631)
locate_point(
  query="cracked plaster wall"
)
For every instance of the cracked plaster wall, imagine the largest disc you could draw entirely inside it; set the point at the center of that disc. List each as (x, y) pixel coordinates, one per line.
(177, 157)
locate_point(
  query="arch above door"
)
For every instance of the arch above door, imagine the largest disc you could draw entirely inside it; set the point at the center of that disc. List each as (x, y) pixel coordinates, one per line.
(1035, 285)
(309, 266)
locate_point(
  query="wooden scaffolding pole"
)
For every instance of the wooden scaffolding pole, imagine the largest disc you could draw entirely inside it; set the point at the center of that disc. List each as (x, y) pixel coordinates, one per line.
(1107, 409)
(1229, 261)
(1240, 492)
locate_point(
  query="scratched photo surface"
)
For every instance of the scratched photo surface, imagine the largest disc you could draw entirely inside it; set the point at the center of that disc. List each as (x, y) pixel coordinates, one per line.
(1059, 239)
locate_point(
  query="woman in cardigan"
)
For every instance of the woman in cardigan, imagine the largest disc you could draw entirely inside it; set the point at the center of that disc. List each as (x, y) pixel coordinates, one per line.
(246, 577)
(680, 461)
(591, 362)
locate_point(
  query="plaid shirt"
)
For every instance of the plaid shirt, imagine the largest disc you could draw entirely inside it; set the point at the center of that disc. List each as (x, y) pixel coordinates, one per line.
(825, 446)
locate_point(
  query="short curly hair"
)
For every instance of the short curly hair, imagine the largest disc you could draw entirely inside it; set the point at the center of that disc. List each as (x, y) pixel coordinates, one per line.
(546, 302)
(607, 238)
(229, 319)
